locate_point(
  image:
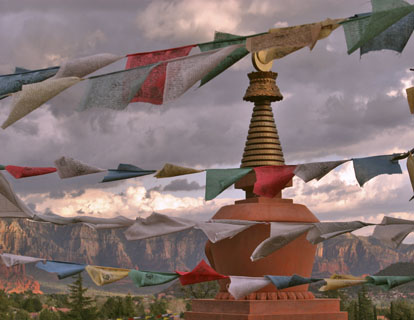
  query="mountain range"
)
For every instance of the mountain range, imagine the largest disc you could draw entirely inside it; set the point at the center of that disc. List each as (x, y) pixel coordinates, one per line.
(347, 254)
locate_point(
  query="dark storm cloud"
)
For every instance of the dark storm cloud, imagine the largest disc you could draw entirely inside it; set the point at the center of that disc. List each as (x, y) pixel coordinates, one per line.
(335, 105)
(56, 194)
(182, 185)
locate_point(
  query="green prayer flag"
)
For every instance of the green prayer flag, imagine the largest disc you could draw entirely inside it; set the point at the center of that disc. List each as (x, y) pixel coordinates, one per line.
(219, 180)
(148, 278)
(389, 282)
(2, 167)
(221, 40)
(359, 31)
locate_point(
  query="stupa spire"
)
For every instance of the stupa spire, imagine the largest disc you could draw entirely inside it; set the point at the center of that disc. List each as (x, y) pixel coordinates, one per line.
(263, 145)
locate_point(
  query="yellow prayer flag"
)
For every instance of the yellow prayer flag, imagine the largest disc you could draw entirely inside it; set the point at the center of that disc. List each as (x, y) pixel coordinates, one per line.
(334, 284)
(410, 168)
(280, 42)
(32, 96)
(346, 277)
(410, 98)
(171, 170)
(105, 275)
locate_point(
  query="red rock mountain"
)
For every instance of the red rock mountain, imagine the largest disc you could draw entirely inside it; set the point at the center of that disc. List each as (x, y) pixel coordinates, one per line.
(183, 250)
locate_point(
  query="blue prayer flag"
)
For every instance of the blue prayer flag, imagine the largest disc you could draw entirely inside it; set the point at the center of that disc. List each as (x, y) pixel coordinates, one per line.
(10, 83)
(370, 167)
(63, 269)
(125, 171)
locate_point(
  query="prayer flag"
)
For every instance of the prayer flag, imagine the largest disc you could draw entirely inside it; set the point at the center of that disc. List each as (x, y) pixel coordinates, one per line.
(218, 180)
(114, 90)
(10, 205)
(157, 225)
(105, 275)
(270, 180)
(370, 167)
(219, 229)
(281, 233)
(69, 167)
(377, 31)
(171, 170)
(34, 95)
(150, 278)
(394, 38)
(283, 282)
(393, 231)
(280, 42)
(201, 273)
(23, 172)
(12, 259)
(20, 69)
(126, 171)
(335, 284)
(410, 98)
(242, 286)
(388, 282)
(316, 170)
(152, 90)
(63, 269)
(346, 277)
(83, 66)
(183, 73)
(92, 222)
(10, 83)
(223, 40)
(410, 169)
(327, 230)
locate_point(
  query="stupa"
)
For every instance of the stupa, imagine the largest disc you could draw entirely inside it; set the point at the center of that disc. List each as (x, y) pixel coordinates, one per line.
(232, 256)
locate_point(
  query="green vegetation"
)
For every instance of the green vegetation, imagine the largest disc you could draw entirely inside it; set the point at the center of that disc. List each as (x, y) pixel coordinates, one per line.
(79, 305)
(363, 308)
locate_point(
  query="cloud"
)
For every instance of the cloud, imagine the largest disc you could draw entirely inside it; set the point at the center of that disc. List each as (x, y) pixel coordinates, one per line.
(336, 106)
(134, 202)
(185, 20)
(182, 185)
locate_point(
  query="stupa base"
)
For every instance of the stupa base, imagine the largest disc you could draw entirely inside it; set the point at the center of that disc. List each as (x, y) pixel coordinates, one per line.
(320, 309)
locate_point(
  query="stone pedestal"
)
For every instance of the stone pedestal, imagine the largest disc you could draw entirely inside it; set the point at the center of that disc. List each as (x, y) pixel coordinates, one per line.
(317, 309)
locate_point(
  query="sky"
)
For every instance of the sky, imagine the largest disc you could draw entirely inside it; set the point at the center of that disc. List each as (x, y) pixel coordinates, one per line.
(335, 106)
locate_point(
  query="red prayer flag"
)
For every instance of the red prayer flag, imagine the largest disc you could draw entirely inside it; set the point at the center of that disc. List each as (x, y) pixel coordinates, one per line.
(152, 90)
(270, 180)
(23, 172)
(201, 273)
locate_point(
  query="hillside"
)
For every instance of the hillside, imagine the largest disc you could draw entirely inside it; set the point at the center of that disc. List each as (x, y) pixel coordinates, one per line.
(347, 254)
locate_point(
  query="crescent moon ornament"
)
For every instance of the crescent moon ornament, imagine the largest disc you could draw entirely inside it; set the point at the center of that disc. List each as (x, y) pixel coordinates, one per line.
(259, 61)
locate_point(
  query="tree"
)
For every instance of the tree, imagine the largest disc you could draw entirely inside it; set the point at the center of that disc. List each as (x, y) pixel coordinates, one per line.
(392, 311)
(129, 306)
(32, 304)
(202, 290)
(113, 308)
(4, 303)
(48, 315)
(400, 310)
(21, 315)
(81, 306)
(356, 311)
(158, 307)
(364, 305)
